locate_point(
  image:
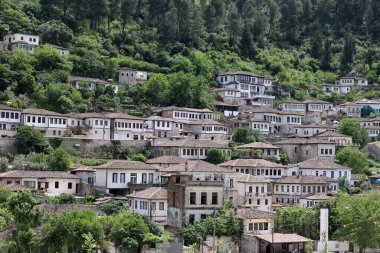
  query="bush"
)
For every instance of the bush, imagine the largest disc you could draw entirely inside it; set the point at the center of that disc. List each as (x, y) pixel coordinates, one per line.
(114, 207)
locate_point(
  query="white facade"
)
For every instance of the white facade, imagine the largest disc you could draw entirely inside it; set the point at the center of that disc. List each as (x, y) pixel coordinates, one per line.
(132, 76)
(17, 40)
(51, 123)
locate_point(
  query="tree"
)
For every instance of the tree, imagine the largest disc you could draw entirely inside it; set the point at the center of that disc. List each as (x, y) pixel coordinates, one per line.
(216, 156)
(353, 158)
(352, 128)
(56, 32)
(114, 207)
(359, 216)
(68, 229)
(29, 139)
(326, 56)
(156, 89)
(247, 135)
(348, 54)
(59, 160)
(139, 157)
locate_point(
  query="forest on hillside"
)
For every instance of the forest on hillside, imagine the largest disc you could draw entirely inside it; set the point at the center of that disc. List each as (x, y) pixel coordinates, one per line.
(184, 44)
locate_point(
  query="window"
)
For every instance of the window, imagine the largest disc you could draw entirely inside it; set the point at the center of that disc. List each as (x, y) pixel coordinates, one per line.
(203, 198)
(214, 200)
(203, 216)
(114, 177)
(191, 218)
(161, 206)
(231, 183)
(151, 178)
(266, 202)
(153, 205)
(144, 178)
(133, 178)
(193, 197)
(250, 226)
(258, 202)
(56, 184)
(122, 177)
(69, 185)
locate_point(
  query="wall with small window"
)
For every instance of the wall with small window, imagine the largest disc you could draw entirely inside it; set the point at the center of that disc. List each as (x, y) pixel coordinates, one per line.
(119, 178)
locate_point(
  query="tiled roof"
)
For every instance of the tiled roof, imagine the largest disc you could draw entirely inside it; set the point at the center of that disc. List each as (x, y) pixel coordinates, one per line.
(304, 141)
(174, 108)
(318, 197)
(319, 163)
(42, 112)
(258, 145)
(261, 163)
(239, 73)
(81, 167)
(191, 143)
(195, 166)
(282, 238)
(205, 122)
(304, 180)
(250, 213)
(159, 118)
(87, 79)
(37, 174)
(247, 178)
(272, 110)
(358, 176)
(119, 115)
(8, 108)
(315, 126)
(166, 160)
(316, 101)
(331, 134)
(126, 164)
(150, 193)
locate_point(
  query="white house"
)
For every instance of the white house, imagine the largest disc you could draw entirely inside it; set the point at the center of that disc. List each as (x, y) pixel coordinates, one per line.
(10, 119)
(339, 139)
(259, 150)
(352, 80)
(339, 89)
(61, 50)
(52, 124)
(18, 40)
(90, 125)
(151, 202)
(87, 83)
(124, 176)
(256, 221)
(132, 76)
(313, 200)
(311, 130)
(184, 113)
(254, 192)
(51, 182)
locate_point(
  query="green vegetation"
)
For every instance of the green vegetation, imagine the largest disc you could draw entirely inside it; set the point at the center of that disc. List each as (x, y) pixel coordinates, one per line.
(246, 135)
(29, 139)
(216, 156)
(353, 158)
(114, 207)
(59, 160)
(351, 127)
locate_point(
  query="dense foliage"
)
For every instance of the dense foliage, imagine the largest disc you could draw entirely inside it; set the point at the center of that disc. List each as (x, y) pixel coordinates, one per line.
(353, 158)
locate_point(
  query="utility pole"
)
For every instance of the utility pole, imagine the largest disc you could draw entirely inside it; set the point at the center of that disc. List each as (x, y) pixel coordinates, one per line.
(213, 238)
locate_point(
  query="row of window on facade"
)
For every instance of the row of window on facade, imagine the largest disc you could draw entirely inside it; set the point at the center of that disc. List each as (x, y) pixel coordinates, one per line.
(32, 184)
(260, 126)
(120, 178)
(144, 205)
(9, 115)
(258, 226)
(305, 189)
(258, 202)
(203, 200)
(192, 115)
(214, 128)
(57, 121)
(128, 125)
(294, 107)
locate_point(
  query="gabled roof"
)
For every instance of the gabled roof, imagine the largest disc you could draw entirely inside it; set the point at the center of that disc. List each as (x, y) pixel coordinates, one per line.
(251, 163)
(195, 166)
(258, 145)
(318, 197)
(126, 164)
(248, 178)
(303, 141)
(174, 108)
(316, 101)
(304, 180)
(43, 112)
(150, 193)
(9, 108)
(316, 126)
(319, 163)
(119, 115)
(191, 143)
(239, 73)
(87, 79)
(166, 160)
(206, 122)
(332, 134)
(250, 213)
(37, 174)
(282, 238)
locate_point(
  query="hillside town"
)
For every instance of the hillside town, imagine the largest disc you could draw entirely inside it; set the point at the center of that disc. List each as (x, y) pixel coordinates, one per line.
(258, 158)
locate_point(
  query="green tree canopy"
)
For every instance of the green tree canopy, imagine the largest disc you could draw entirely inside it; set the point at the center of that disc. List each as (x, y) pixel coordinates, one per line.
(351, 127)
(216, 156)
(354, 158)
(247, 135)
(59, 160)
(29, 139)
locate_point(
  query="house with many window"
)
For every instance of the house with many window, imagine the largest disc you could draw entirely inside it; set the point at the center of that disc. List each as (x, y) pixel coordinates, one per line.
(254, 192)
(311, 130)
(196, 189)
(125, 177)
(50, 182)
(10, 119)
(259, 150)
(128, 76)
(17, 40)
(256, 221)
(313, 200)
(301, 149)
(52, 124)
(289, 190)
(87, 83)
(184, 113)
(340, 140)
(151, 202)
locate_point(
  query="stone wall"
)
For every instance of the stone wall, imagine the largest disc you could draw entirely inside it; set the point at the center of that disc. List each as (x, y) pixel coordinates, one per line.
(7, 146)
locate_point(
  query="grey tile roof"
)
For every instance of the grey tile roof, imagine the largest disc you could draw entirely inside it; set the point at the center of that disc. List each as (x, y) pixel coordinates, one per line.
(331, 134)
(174, 108)
(37, 174)
(196, 166)
(150, 193)
(126, 164)
(247, 178)
(166, 160)
(304, 180)
(319, 163)
(8, 108)
(190, 143)
(42, 112)
(258, 145)
(303, 141)
(260, 163)
(250, 213)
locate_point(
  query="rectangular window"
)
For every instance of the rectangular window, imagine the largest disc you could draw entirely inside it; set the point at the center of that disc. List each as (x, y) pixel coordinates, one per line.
(122, 177)
(191, 218)
(144, 178)
(214, 200)
(151, 178)
(69, 185)
(133, 178)
(193, 197)
(153, 205)
(56, 184)
(203, 198)
(162, 206)
(114, 177)
(250, 227)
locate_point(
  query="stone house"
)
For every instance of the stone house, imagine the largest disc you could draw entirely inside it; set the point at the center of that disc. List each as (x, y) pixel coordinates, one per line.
(196, 189)
(300, 149)
(289, 190)
(256, 221)
(340, 140)
(183, 113)
(259, 150)
(132, 76)
(254, 192)
(372, 149)
(191, 149)
(50, 182)
(87, 83)
(125, 177)
(311, 130)
(151, 202)
(257, 167)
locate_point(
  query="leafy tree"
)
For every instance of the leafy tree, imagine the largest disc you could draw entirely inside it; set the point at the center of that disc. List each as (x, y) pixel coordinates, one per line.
(247, 135)
(216, 156)
(348, 54)
(114, 207)
(139, 157)
(352, 128)
(353, 158)
(59, 160)
(4, 193)
(56, 32)
(68, 229)
(156, 89)
(29, 139)
(359, 216)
